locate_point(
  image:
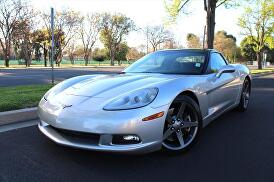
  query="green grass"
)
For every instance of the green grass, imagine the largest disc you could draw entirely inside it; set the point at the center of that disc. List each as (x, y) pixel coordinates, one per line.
(19, 97)
(266, 70)
(64, 63)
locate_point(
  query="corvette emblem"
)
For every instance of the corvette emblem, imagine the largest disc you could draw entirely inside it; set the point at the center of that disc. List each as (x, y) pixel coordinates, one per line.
(66, 106)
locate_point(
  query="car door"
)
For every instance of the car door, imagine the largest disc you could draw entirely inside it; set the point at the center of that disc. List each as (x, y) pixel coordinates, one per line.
(222, 91)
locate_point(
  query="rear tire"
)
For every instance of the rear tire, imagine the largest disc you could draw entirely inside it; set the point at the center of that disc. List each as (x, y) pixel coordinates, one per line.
(183, 125)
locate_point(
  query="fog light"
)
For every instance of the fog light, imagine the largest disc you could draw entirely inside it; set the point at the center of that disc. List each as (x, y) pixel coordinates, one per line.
(125, 139)
(131, 137)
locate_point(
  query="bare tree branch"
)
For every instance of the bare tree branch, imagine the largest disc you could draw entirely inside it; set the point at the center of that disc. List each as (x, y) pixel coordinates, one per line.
(221, 3)
(157, 35)
(183, 5)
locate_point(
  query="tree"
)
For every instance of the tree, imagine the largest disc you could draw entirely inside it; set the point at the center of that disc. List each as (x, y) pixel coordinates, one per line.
(257, 23)
(270, 55)
(71, 51)
(90, 28)
(41, 40)
(170, 44)
(121, 52)
(174, 8)
(22, 40)
(99, 54)
(157, 35)
(142, 49)
(133, 54)
(11, 12)
(248, 49)
(226, 44)
(114, 29)
(22, 35)
(270, 49)
(67, 23)
(193, 41)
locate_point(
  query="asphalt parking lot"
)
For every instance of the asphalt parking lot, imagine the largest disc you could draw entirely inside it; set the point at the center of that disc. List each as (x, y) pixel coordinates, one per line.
(235, 147)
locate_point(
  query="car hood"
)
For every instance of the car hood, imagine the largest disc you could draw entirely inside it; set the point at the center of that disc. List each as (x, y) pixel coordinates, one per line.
(114, 85)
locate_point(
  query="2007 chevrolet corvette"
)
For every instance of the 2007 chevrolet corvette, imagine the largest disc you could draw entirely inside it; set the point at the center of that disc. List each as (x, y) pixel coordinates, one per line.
(163, 100)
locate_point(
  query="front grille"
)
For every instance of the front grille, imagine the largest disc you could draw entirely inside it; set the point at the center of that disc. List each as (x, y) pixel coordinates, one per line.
(77, 136)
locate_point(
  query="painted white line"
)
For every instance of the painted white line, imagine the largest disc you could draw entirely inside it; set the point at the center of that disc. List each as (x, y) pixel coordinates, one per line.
(19, 125)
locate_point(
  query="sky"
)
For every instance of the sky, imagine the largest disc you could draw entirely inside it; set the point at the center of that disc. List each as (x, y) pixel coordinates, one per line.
(152, 12)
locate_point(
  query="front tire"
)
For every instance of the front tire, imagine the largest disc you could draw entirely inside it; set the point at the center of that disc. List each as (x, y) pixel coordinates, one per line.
(245, 96)
(183, 125)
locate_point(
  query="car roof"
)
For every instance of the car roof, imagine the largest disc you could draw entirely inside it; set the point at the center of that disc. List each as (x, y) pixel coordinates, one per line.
(192, 50)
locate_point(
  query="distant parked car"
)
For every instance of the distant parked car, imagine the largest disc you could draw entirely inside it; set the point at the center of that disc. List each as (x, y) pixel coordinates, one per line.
(162, 100)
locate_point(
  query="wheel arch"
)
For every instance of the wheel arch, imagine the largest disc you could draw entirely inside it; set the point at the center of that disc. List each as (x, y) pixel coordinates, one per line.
(191, 94)
(249, 80)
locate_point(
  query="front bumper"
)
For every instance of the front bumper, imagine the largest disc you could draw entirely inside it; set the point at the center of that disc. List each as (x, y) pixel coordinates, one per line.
(105, 125)
(104, 143)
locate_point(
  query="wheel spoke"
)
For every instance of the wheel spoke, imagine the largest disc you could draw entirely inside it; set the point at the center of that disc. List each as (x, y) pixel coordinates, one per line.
(180, 138)
(246, 88)
(167, 133)
(186, 124)
(169, 115)
(246, 91)
(246, 95)
(181, 111)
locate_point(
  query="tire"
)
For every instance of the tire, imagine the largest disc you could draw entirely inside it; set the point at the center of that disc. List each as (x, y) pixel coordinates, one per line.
(245, 96)
(184, 121)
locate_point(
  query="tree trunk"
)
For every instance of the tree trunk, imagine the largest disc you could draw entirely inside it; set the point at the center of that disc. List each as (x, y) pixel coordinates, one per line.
(86, 58)
(45, 55)
(210, 23)
(71, 58)
(7, 58)
(58, 58)
(154, 48)
(7, 64)
(259, 60)
(26, 53)
(112, 57)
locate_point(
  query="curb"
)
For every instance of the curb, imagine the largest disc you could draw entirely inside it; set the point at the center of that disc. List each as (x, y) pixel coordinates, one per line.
(20, 115)
(262, 74)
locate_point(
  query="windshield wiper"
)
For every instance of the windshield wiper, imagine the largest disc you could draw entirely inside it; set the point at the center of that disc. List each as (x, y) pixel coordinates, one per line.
(122, 72)
(142, 72)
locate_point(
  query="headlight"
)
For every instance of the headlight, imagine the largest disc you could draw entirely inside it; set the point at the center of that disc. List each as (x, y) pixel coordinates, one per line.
(132, 100)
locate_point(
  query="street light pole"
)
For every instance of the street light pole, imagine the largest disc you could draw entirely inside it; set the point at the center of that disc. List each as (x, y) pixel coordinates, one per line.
(204, 37)
(147, 38)
(52, 44)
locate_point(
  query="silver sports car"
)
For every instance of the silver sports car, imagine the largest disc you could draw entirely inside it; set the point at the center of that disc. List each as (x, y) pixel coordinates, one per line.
(163, 100)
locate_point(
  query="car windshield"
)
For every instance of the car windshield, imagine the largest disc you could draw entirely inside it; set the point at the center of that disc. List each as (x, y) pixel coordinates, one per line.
(170, 62)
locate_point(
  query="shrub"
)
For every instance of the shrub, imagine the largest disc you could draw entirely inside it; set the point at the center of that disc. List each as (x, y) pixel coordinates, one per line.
(99, 58)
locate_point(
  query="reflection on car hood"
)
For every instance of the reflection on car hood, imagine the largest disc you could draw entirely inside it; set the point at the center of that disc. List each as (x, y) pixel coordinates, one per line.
(113, 85)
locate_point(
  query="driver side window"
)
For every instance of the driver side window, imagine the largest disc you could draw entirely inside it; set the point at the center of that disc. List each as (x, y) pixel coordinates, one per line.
(215, 63)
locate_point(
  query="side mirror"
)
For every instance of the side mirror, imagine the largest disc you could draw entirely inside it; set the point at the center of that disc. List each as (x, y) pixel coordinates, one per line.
(226, 69)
